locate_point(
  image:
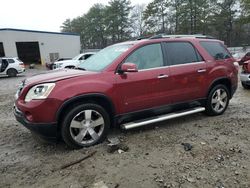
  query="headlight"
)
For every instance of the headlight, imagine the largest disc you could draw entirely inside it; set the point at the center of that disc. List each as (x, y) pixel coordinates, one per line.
(40, 91)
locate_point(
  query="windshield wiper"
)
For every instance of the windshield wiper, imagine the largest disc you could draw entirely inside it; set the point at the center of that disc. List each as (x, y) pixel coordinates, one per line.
(79, 68)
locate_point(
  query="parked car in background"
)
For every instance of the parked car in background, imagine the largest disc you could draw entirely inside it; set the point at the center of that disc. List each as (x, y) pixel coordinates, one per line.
(238, 55)
(74, 62)
(49, 65)
(11, 66)
(245, 75)
(245, 58)
(241, 57)
(130, 84)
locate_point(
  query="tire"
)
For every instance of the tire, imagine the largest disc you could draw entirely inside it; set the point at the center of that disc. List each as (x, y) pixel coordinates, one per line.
(217, 101)
(80, 131)
(12, 72)
(245, 86)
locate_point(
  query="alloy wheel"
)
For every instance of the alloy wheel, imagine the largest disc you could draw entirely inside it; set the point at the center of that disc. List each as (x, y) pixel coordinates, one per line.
(87, 127)
(219, 100)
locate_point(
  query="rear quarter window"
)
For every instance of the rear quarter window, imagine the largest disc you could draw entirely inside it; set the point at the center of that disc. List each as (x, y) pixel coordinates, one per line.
(216, 50)
(11, 61)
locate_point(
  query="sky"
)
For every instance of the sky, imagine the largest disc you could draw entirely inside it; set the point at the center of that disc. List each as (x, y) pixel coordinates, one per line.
(45, 15)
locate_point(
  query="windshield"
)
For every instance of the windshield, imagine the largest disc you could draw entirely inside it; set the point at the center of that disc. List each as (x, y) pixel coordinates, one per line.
(104, 57)
(77, 57)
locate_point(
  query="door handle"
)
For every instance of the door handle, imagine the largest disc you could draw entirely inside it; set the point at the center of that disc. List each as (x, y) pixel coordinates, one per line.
(201, 70)
(162, 76)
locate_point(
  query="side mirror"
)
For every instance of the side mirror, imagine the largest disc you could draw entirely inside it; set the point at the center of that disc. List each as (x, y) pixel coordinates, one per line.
(128, 67)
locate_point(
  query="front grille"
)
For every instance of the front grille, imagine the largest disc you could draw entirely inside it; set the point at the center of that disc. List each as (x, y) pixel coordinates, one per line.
(54, 66)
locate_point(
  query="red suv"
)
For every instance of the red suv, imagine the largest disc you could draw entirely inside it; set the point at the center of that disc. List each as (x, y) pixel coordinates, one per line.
(129, 84)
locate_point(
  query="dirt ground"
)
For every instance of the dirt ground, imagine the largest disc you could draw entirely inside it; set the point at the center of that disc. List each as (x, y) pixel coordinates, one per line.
(220, 156)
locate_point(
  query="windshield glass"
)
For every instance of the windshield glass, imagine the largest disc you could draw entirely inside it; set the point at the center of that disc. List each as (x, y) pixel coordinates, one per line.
(104, 57)
(77, 57)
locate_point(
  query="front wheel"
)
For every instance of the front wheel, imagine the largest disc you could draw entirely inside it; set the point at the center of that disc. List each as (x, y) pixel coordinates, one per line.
(85, 125)
(217, 101)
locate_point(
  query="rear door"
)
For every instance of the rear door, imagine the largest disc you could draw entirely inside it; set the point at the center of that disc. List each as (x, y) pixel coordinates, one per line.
(187, 71)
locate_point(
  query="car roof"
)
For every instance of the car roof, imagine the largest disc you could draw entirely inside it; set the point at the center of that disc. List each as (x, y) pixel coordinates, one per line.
(88, 53)
(169, 38)
(8, 57)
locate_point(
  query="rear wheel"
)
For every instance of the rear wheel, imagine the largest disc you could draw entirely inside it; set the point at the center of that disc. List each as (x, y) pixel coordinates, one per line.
(12, 72)
(245, 86)
(85, 125)
(217, 101)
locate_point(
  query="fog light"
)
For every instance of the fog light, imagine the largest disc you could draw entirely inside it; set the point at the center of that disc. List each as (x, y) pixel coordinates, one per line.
(28, 116)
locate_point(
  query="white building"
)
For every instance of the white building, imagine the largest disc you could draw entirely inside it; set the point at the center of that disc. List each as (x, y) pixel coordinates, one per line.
(38, 46)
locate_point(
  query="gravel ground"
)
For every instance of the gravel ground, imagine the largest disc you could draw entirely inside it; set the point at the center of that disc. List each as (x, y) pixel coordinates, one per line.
(220, 156)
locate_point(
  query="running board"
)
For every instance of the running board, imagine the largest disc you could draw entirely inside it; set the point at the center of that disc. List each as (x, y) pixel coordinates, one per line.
(164, 117)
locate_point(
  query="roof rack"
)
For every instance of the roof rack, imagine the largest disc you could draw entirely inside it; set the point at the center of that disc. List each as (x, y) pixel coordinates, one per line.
(181, 36)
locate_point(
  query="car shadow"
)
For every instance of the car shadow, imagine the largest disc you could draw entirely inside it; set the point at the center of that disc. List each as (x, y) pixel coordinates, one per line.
(2, 77)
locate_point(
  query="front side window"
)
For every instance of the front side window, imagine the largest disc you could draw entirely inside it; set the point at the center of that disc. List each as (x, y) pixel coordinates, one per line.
(181, 53)
(216, 50)
(146, 57)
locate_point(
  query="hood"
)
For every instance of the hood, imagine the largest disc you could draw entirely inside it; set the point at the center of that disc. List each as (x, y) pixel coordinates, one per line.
(56, 75)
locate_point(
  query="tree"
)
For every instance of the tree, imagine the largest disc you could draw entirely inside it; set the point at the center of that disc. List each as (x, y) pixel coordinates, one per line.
(117, 20)
(176, 9)
(156, 16)
(95, 27)
(137, 22)
(66, 26)
(224, 20)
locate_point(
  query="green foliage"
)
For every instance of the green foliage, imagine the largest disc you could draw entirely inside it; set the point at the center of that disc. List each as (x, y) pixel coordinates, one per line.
(156, 16)
(227, 20)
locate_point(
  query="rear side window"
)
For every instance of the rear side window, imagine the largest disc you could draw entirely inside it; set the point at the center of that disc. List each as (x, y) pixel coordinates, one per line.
(216, 50)
(181, 53)
(87, 56)
(11, 61)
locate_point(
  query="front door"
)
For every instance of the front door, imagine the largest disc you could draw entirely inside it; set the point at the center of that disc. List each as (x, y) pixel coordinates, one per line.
(3, 65)
(143, 89)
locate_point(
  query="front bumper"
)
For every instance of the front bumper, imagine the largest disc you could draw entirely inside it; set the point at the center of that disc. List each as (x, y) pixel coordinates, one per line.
(45, 130)
(245, 78)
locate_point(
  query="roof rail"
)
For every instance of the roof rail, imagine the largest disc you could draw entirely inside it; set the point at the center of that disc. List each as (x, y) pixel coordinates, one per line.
(142, 37)
(182, 36)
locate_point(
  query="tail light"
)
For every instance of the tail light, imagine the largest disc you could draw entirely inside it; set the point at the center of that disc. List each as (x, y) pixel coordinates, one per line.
(246, 67)
(21, 64)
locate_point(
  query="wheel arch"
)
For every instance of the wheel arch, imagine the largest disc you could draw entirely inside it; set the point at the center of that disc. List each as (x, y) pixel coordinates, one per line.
(96, 98)
(224, 81)
(10, 69)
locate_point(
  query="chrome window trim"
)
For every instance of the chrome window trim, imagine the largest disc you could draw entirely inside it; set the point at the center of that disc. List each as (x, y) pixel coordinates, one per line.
(169, 66)
(188, 64)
